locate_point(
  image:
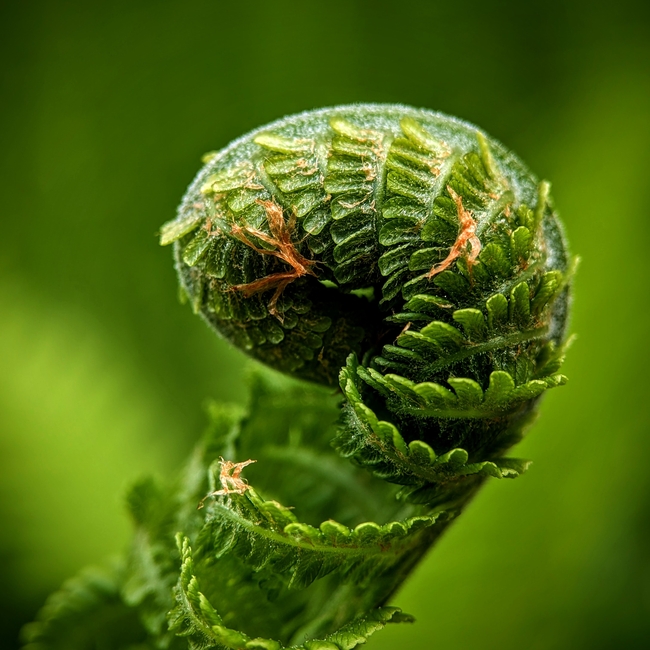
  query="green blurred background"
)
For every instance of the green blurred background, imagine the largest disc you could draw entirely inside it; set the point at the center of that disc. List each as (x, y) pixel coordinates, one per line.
(106, 109)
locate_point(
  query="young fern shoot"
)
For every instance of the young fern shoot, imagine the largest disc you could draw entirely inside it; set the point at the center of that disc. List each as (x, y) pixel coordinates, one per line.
(401, 255)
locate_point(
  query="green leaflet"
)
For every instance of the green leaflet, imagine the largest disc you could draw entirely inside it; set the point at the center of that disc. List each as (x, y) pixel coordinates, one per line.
(85, 609)
(195, 619)
(354, 181)
(293, 167)
(466, 400)
(501, 323)
(379, 445)
(174, 230)
(268, 536)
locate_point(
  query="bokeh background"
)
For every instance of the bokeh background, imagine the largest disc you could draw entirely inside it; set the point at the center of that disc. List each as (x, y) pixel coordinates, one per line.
(105, 110)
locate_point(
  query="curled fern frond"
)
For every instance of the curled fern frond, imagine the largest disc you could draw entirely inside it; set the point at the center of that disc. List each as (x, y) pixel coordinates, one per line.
(404, 257)
(406, 237)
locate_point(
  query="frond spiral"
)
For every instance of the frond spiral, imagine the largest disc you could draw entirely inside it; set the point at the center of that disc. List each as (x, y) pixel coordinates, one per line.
(412, 261)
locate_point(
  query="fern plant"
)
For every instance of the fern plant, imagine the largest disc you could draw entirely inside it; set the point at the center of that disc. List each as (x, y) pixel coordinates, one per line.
(410, 260)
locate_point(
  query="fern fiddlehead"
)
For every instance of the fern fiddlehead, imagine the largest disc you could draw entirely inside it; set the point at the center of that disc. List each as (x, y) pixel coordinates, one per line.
(410, 259)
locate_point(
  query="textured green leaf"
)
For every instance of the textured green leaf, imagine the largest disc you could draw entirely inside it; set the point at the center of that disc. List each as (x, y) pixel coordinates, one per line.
(497, 308)
(87, 608)
(468, 391)
(494, 257)
(443, 335)
(499, 390)
(521, 242)
(178, 228)
(549, 285)
(281, 144)
(454, 285)
(473, 323)
(520, 304)
(197, 248)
